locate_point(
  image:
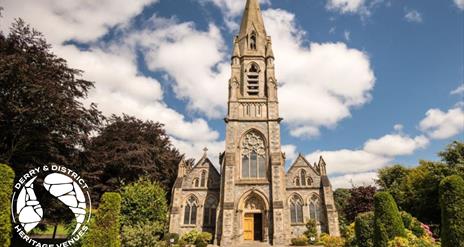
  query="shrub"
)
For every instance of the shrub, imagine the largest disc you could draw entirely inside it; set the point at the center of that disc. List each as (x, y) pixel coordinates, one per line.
(143, 234)
(452, 211)
(167, 237)
(194, 237)
(143, 201)
(364, 225)
(411, 240)
(311, 230)
(350, 237)
(387, 219)
(203, 239)
(6, 188)
(412, 224)
(300, 241)
(104, 228)
(332, 241)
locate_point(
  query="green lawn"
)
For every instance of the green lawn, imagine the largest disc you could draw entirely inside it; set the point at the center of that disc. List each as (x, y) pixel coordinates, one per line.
(48, 232)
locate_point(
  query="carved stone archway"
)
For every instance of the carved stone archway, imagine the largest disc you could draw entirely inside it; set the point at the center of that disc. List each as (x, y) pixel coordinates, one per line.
(254, 202)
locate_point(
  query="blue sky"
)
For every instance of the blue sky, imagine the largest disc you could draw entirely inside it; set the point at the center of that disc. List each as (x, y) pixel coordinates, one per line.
(377, 82)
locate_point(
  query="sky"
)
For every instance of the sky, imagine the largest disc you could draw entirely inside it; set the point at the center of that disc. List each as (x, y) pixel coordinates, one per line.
(364, 83)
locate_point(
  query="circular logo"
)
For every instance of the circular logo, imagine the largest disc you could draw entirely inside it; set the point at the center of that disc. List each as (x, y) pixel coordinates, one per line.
(60, 182)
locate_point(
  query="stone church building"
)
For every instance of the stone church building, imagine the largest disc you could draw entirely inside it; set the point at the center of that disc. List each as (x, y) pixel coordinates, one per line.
(252, 198)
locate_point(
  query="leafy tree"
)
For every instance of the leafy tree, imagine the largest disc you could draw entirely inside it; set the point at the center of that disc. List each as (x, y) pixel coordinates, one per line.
(105, 226)
(387, 219)
(143, 201)
(394, 180)
(453, 155)
(127, 148)
(6, 188)
(364, 224)
(452, 211)
(360, 201)
(42, 118)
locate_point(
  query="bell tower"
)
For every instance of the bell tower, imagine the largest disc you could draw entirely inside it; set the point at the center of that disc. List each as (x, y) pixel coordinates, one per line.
(252, 167)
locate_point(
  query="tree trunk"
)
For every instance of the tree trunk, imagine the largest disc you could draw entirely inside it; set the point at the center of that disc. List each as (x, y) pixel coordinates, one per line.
(54, 230)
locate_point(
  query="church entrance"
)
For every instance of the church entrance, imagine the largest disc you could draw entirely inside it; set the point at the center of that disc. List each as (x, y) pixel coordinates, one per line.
(253, 226)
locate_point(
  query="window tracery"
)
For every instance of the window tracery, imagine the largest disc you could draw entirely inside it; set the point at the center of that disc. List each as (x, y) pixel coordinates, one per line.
(296, 209)
(253, 156)
(190, 211)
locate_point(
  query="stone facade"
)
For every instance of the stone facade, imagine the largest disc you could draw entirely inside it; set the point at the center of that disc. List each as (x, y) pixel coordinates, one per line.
(252, 198)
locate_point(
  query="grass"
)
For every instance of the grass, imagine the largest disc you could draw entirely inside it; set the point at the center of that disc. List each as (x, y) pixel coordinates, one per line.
(48, 232)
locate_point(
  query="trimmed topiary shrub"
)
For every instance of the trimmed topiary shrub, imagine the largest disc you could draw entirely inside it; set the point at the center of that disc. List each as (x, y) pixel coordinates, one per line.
(387, 220)
(300, 241)
(412, 224)
(363, 228)
(203, 239)
(6, 188)
(311, 231)
(452, 211)
(194, 237)
(105, 226)
(332, 241)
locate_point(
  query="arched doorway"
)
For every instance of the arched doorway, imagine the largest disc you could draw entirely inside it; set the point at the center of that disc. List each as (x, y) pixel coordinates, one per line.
(255, 214)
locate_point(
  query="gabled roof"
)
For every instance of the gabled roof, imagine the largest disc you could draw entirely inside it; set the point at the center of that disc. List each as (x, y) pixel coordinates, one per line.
(204, 159)
(305, 162)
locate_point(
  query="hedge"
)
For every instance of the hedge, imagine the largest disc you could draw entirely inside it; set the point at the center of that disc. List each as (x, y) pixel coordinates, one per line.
(6, 189)
(452, 211)
(387, 220)
(105, 226)
(364, 223)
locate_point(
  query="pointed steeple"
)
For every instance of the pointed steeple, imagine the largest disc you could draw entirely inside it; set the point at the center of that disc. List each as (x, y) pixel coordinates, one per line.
(252, 19)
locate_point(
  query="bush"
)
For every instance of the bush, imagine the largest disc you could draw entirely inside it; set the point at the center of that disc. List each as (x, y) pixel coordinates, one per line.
(387, 220)
(143, 234)
(6, 187)
(194, 237)
(332, 241)
(143, 201)
(364, 225)
(167, 237)
(350, 237)
(104, 228)
(412, 224)
(411, 240)
(300, 241)
(452, 211)
(311, 231)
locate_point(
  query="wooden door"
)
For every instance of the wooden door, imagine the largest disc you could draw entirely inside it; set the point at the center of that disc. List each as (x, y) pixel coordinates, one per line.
(248, 227)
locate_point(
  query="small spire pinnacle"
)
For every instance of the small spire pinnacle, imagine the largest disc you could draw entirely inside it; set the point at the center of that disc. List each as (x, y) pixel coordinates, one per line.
(205, 151)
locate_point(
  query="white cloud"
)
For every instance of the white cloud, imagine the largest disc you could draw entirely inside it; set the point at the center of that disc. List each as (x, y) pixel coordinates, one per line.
(349, 161)
(319, 84)
(459, 4)
(194, 59)
(442, 125)
(393, 145)
(119, 85)
(346, 6)
(62, 20)
(195, 149)
(347, 35)
(353, 179)
(459, 90)
(290, 152)
(413, 16)
(398, 127)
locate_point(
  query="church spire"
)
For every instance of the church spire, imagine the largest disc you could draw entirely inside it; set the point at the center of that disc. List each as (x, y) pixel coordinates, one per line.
(252, 19)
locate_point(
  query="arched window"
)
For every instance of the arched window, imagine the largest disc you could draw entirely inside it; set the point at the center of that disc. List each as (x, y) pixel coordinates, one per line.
(196, 182)
(303, 177)
(314, 210)
(203, 179)
(253, 80)
(190, 211)
(253, 41)
(253, 156)
(296, 209)
(296, 181)
(209, 213)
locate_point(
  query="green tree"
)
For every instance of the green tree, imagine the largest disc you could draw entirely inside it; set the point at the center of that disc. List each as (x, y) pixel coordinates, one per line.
(453, 155)
(387, 219)
(311, 230)
(42, 118)
(127, 148)
(105, 226)
(394, 180)
(6, 188)
(452, 211)
(364, 225)
(144, 213)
